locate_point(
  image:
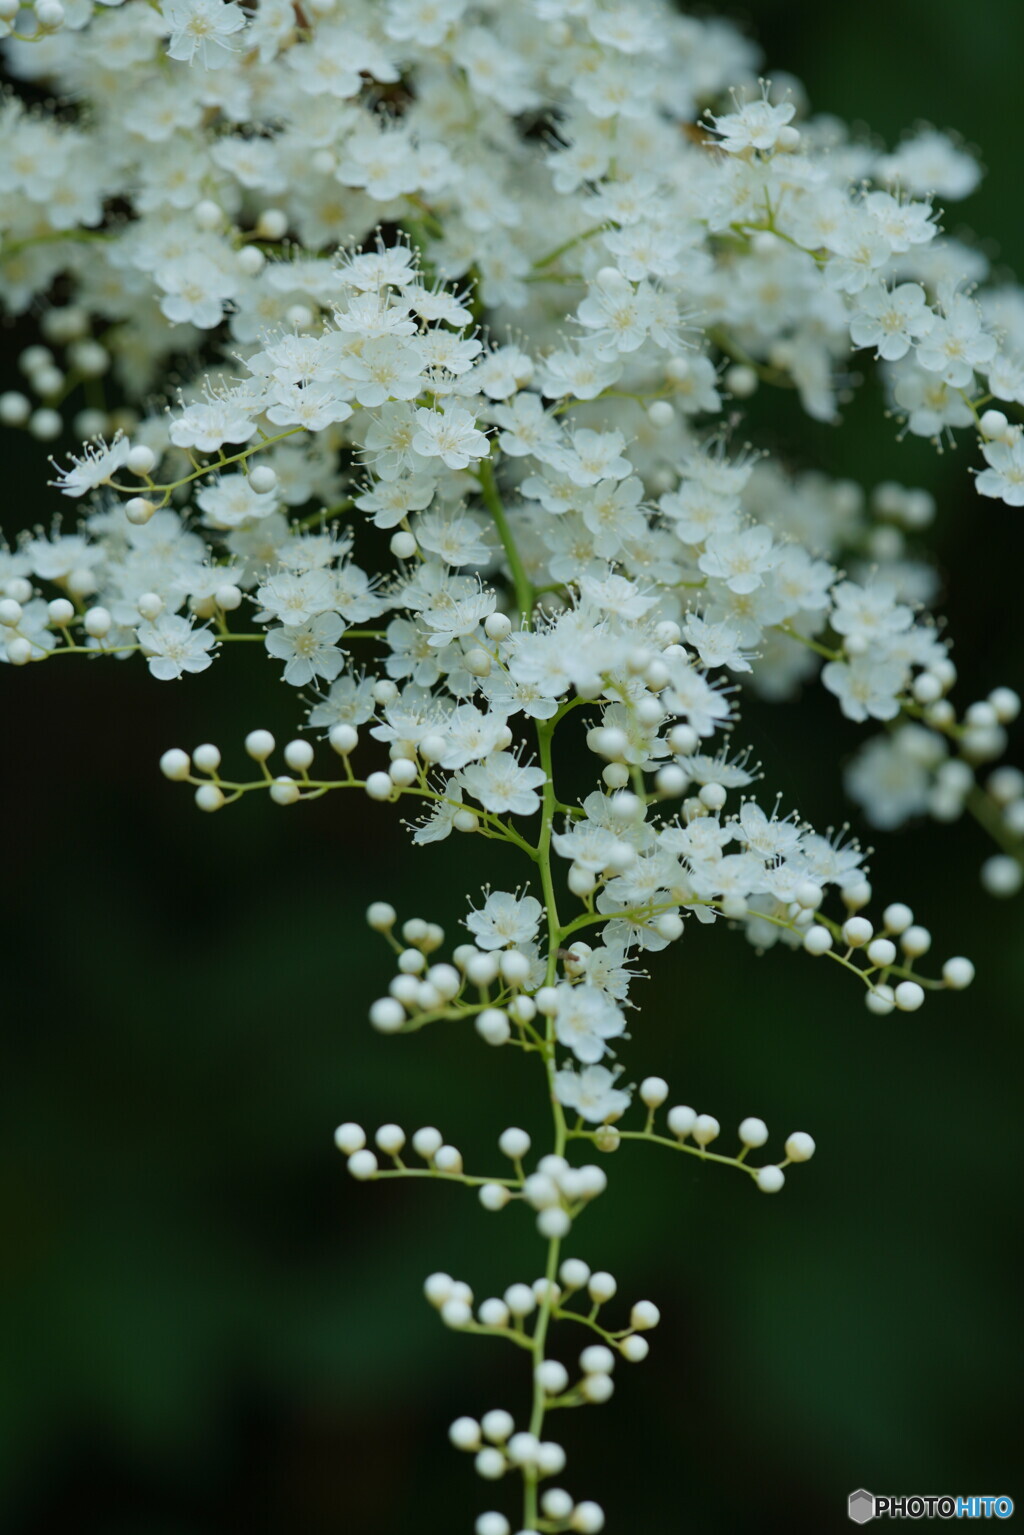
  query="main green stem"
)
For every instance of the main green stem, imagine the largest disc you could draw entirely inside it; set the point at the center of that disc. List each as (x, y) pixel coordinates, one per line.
(545, 732)
(520, 580)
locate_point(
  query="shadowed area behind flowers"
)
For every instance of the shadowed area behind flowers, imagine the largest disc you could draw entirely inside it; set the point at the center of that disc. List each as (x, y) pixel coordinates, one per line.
(210, 1327)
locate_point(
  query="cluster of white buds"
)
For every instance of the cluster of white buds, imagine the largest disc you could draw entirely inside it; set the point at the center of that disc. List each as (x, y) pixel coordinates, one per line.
(885, 956)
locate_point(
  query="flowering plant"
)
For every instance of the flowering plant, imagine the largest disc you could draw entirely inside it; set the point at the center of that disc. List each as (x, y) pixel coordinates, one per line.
(466, 300)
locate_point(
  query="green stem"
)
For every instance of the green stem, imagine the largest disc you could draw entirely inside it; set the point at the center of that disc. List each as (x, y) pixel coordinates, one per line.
(492, 501)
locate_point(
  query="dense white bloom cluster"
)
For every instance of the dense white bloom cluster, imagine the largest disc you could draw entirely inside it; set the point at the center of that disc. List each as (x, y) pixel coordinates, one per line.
(467, 294)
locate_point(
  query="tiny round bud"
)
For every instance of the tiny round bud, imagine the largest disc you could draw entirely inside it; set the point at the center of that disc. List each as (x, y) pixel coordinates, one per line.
(644, 1316)
(492, 1524)
(262, 479)
(228, 597)
(1002, 875)
(380, 916)
(150, 605)
(493, 1026)
(597, 1388)
(403, 545)
(259, 745)
(497, 627)
(1006, 704)
(493, 1313)
(634, 1349)
(670, 781)
(770, 1179)
(284, 790)
(379, 787)
(856, 895)
(494, 1196)
(587, 1518)
(556, 1503)
(139, 511)
(713, 796)
(514, 967)
(350, 1138)
(387, 1015)
(490, 1464)
(403, 772)
(438, 1288)
(209, 797)
(958, 973)
(175, 765)
(882, 951)
(11, 612)
(753, 1132)
(206, 758)
(97, 622)
(477, 662)
(60, 612)
(654, 1091)
(880, 1000)
(141, 460)
(681, 1120)
(448, 1159)
(596, 1359)
(800, 1147)
(362, 1165)
(552, 1376)
(45, 424)
(857, 931)
(15, 407)
(455, 1313)
(741, 381)
(427, 1142)
(574, 1273)
(19, 651)
(520, 1300)
(390, 1139)
(514, 1143)
(916, 941)
(601, 1287)
(344, 739)
(272, 224)
(464, 1434)
(554, 1223)
(497, 1425)
(897, 917)
(909, 996)
(706, 1129)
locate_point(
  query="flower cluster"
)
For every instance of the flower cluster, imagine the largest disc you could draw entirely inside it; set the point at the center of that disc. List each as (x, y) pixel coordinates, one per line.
(465, 297)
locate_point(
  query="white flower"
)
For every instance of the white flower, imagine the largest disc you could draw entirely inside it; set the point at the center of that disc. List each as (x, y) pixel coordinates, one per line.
(501, 783)
(505, 920)
(591, 1093)
(754, 125)
(172, 646)
(585, 1019)
(200, 31)
(98, 464)
(1004, 478)
(890, 320)
(309, 649)
(294, 599)
(866, 686)
(450, 434)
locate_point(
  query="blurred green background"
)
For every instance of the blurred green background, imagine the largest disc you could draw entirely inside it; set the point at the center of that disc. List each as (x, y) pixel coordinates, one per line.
(209, 1327)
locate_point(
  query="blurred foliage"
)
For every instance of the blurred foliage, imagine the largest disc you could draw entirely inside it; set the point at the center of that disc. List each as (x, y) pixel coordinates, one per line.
(209, 1327)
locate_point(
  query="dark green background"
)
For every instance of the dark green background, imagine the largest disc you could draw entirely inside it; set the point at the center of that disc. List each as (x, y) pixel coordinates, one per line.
(208, 1327)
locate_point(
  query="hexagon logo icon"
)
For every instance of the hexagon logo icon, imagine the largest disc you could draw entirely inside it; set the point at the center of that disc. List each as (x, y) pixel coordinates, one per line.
(861, 1506)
